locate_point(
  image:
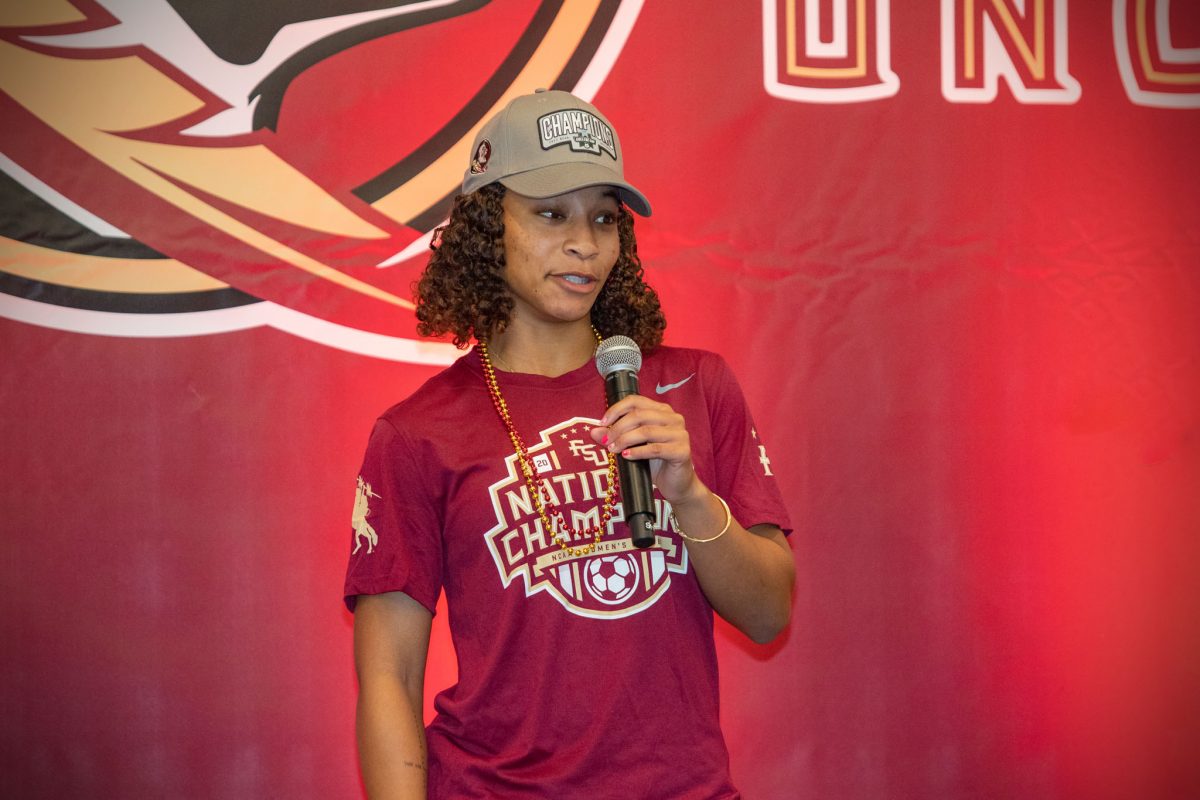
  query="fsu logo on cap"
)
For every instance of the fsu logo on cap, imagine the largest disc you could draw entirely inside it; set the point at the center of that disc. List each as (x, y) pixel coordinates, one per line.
(479, 161)
(288, 173)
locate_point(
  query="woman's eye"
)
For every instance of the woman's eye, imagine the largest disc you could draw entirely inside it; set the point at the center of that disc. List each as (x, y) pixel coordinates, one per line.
(607, 218)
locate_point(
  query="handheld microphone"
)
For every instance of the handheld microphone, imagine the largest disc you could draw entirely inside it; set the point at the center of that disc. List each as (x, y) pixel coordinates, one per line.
(619, 359)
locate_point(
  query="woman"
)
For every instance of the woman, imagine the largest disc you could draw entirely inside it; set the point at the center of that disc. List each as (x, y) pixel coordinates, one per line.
(587, 668)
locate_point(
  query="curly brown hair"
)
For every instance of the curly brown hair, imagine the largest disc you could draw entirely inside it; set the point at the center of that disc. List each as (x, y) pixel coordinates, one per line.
(462, 290)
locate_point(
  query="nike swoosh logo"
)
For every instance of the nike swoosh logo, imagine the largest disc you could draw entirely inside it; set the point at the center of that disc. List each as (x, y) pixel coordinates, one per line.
(661, 389)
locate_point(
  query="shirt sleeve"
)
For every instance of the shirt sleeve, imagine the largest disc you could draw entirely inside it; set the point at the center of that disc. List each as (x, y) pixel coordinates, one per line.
(745, 478)
(395, 533)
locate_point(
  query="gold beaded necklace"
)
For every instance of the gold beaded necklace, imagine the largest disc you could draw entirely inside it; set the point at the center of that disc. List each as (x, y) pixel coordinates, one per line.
(551, 515)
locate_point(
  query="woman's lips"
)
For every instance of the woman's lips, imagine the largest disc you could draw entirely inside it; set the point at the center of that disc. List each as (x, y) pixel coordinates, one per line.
(576, 281)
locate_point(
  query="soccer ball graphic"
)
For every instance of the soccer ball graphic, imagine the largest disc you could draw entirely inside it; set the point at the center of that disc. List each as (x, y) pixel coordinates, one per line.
(611, 579)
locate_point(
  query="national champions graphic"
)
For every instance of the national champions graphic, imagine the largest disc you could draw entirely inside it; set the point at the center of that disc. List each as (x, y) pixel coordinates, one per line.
(165, 173)
(617, 579)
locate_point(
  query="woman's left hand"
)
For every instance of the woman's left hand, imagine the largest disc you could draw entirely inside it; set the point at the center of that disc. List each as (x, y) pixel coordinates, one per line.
(747, 576)
(639, 428)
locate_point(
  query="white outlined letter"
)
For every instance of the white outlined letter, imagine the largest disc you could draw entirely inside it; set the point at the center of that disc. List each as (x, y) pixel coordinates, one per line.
(1023, 40)
(843, 59)
(1153, 70)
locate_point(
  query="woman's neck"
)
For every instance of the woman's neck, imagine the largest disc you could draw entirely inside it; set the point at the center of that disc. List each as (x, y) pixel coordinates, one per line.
(535, 351)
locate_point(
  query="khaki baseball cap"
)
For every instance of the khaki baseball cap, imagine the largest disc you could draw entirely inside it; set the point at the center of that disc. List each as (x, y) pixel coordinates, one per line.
(547, 143)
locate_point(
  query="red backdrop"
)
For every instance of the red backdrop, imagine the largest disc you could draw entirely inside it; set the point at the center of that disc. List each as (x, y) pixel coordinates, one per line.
(951, 251)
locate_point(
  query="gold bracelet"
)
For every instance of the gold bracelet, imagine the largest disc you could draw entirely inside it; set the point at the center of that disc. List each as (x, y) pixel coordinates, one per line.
(728, 522)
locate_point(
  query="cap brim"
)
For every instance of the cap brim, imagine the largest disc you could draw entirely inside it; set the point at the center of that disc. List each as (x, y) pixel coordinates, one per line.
(556, 179)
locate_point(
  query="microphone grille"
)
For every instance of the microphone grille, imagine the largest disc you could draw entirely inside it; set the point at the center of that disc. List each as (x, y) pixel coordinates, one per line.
(616, 354)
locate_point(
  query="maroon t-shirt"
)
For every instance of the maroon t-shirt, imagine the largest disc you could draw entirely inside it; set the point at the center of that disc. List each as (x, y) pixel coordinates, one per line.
(593, 676)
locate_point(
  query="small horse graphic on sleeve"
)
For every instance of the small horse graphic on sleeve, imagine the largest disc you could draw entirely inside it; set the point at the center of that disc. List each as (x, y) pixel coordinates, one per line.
(358, 520)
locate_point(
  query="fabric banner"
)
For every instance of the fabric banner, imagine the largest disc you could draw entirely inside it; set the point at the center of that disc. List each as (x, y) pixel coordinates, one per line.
(950, 249)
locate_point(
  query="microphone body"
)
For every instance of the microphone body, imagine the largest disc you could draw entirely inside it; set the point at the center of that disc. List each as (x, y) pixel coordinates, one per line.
(619, 359)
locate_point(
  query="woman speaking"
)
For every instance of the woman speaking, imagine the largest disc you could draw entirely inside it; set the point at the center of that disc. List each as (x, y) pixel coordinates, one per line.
(587, 666)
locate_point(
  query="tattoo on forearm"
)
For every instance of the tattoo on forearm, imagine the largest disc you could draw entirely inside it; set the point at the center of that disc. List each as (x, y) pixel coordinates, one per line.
(420, 723)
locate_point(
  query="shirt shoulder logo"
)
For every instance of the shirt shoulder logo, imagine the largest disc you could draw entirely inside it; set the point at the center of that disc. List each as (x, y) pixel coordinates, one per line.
(358, 520)
(762, 455)
(664, 388)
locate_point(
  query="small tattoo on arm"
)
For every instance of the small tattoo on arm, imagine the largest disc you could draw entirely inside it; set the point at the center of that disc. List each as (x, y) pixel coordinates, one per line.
(418, 764)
